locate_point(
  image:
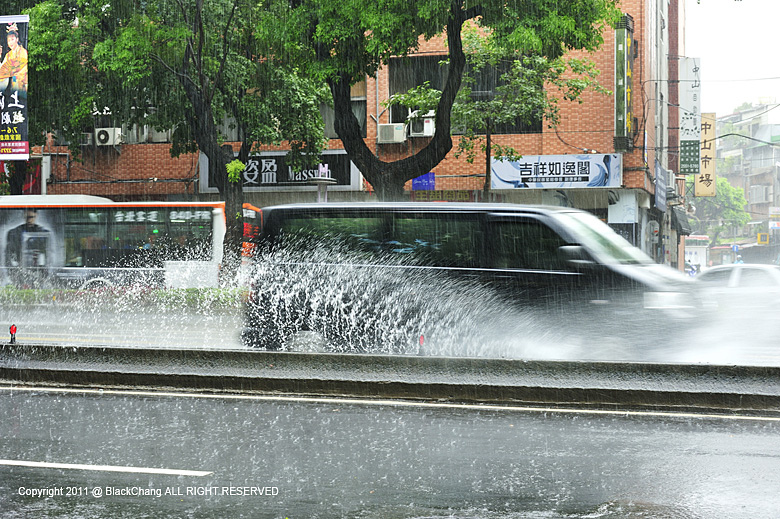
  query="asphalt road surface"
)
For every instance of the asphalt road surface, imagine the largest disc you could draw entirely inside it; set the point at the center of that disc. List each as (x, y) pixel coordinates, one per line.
(127, 454)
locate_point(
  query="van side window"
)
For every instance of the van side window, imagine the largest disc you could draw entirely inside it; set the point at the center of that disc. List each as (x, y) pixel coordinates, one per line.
(439, 240)
(354, 233)
(526, 244)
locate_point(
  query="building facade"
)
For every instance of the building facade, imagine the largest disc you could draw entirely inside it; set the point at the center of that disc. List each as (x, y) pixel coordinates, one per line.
(613, 155)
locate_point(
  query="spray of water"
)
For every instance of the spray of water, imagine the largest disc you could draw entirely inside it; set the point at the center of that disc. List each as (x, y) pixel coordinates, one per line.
(383, 304)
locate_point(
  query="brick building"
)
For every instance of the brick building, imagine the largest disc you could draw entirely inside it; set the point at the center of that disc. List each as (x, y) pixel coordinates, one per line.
(631, 135)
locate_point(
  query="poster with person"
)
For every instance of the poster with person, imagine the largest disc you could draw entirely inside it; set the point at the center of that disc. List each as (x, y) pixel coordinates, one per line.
(30, 245)
(14, 143)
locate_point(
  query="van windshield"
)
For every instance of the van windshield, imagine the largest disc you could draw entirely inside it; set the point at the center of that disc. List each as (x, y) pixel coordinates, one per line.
(599, 238)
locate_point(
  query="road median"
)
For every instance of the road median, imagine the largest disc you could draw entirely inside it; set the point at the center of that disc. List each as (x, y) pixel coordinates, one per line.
(603, 385)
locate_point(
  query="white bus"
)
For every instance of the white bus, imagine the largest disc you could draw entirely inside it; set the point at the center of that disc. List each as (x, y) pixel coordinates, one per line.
(85, 241)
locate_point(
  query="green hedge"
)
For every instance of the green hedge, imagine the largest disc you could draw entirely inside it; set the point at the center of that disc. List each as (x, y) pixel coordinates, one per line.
(191, 298)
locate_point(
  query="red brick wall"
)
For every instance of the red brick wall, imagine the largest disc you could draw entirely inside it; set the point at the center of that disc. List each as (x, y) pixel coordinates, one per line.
(125, 172)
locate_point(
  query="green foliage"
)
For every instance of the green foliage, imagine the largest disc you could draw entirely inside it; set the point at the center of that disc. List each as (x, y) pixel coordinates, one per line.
(202, 299)
(531, 88)
(720, 214)
(234, 170)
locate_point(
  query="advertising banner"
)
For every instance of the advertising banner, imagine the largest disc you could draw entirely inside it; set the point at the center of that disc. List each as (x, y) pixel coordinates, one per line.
(31, 244)
(558, 172)
(14, 142)
(774, 218)
(661, 183)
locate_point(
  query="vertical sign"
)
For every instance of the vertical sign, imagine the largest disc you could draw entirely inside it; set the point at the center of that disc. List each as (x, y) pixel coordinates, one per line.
(624, 59)
(704, 184)
(690, 116)
(661, 182)
(14, 144)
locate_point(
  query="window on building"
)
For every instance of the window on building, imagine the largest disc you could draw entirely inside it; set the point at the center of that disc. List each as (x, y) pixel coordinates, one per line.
(358, 100)
(411, 71)
(484, 88)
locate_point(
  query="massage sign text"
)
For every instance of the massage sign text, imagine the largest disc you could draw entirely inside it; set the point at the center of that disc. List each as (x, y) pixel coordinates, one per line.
(14, 143)
(273, 170)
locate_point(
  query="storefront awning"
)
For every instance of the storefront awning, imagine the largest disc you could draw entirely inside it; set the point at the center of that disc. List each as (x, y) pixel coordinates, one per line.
(680, 221)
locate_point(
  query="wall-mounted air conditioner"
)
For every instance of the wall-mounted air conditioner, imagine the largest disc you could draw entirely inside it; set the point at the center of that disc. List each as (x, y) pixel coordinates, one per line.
(421, 125)
(86, 139)
(108, 136)
(391, 133)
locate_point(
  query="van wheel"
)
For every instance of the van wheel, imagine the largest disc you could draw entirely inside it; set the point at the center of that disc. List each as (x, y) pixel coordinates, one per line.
(96, 283)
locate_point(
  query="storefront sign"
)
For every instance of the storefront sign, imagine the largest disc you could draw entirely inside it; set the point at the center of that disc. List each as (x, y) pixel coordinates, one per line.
(624, 60)
(270, 172)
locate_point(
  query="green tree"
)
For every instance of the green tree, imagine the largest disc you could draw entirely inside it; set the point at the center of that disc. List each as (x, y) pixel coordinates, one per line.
(529, 89)
(719, 215)
(350, 40)
(186, 65)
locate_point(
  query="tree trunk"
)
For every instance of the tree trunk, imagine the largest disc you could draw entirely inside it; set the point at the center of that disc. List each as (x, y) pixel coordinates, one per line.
(206, 137)
(18, 170)
(488, 153)
(388, 178)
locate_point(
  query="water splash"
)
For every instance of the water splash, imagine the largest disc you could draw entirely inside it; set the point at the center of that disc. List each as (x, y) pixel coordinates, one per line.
(380, 304)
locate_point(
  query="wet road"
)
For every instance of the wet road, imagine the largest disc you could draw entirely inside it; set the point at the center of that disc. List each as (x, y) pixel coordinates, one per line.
(276, 457)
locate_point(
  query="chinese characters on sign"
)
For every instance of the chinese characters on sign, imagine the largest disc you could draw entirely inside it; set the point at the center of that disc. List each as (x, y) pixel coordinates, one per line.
(272, 170)
(704, 184)
(558, 171)
(136, 216)
(14, 144)
(690, 116)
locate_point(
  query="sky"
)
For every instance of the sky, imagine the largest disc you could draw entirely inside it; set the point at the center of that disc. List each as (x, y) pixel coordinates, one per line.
(737, 41)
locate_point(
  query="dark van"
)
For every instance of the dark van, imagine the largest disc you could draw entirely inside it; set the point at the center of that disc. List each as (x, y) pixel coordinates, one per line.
(392, 277)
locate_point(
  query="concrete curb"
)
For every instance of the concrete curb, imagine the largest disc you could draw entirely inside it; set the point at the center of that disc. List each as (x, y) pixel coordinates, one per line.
(498, 381)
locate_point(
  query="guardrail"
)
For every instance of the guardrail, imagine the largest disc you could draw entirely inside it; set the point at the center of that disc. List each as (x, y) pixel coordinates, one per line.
(497, 381)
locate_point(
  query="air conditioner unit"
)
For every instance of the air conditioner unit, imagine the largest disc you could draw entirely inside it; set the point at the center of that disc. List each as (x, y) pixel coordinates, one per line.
(86, 139)
(421, 125)
(108, 136)
(391, 133)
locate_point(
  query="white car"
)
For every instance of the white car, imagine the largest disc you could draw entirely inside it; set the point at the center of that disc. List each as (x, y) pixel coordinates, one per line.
(738, 287)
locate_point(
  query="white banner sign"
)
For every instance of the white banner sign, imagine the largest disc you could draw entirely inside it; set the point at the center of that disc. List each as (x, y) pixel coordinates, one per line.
(558, 171)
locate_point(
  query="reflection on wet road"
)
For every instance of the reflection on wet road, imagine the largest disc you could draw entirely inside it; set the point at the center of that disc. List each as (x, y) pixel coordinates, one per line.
(276, 457)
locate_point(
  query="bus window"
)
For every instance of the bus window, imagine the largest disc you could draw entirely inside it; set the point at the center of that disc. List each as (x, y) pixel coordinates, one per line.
(85, 230)
(189, 234)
